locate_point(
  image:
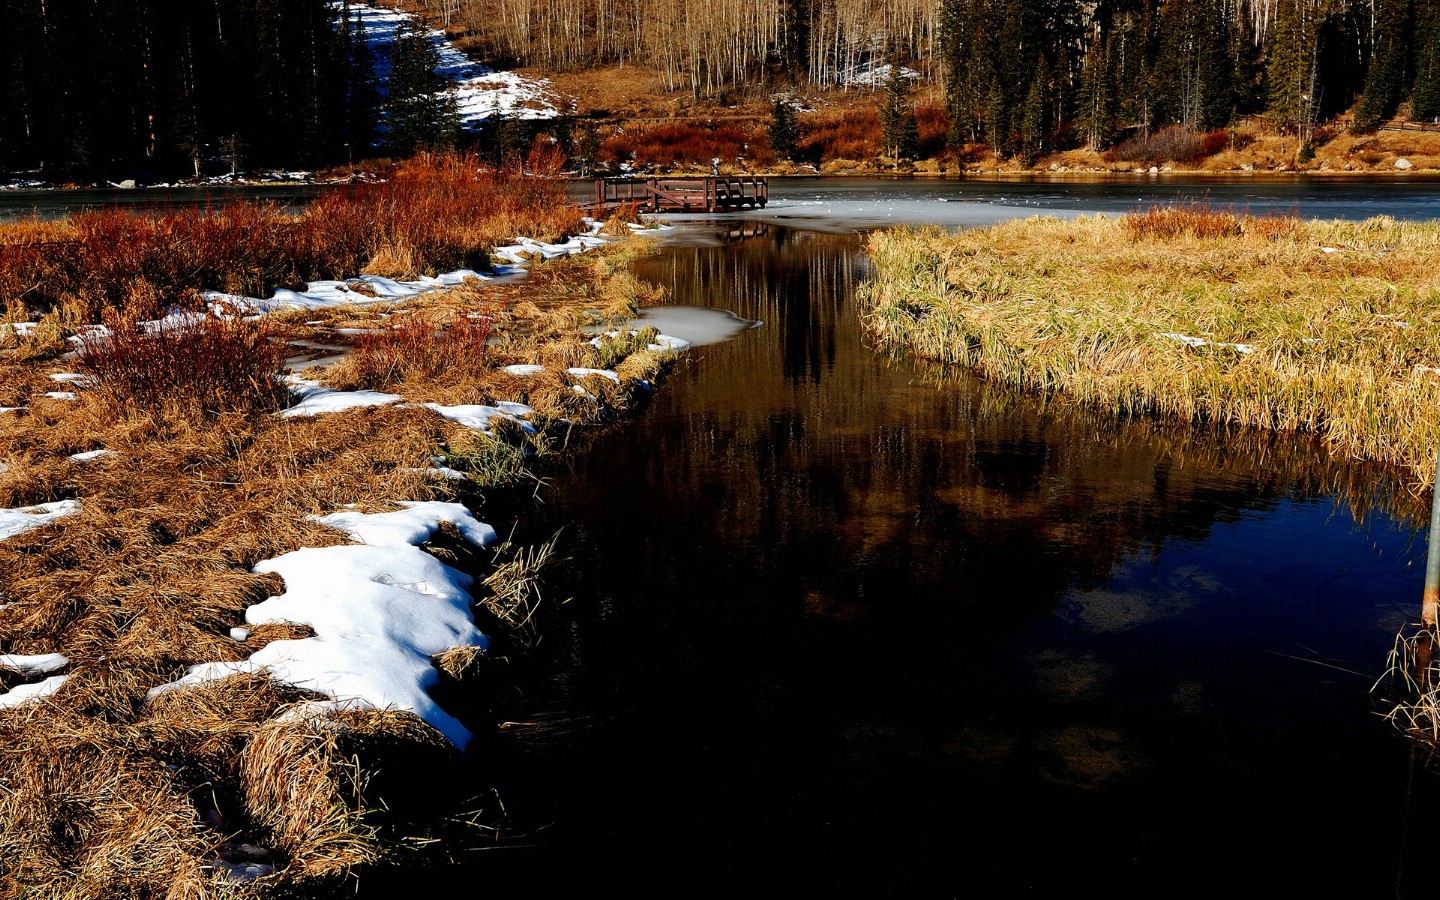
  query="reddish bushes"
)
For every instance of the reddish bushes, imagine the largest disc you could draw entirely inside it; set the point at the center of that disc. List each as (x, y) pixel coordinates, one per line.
(433, 213)
(854, 134)
(1175, 143)
(663, 145)
(1199, 220)
(192, 365)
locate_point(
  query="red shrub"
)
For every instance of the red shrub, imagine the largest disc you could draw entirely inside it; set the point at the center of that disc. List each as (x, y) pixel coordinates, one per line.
(194, 365)
(854, 134)
(1175, 143)
(692, 145)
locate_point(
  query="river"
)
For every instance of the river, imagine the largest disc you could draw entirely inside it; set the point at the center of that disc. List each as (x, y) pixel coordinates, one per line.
(846, 624)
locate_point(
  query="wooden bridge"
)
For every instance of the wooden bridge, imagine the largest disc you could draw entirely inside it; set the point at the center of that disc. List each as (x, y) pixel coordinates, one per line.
(709, 194)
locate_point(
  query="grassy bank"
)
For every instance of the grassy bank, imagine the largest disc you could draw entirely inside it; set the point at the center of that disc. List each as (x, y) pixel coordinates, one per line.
(108, 792)
(1330, 328)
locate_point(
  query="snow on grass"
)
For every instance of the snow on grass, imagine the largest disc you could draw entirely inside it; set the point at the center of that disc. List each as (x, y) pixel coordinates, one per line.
(481, 93)
(88, 455)
(62, 395)
(352, 291)
(380, 609)
(315, 399)
(580, 372)
(23, 693)
(34, 663)
(522, 370)
(474, 415)
(26, 518)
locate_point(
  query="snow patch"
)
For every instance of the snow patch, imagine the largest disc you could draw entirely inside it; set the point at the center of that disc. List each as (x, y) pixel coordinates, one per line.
(26, 518)
(380, 611)
(316, 399)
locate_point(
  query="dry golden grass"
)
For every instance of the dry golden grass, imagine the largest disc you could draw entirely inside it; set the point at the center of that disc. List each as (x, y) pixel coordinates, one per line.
(106, 794)
(1345, 342)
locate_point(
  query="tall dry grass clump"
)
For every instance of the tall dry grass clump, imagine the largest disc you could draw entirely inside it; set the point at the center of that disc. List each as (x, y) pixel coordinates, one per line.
(1330, 328)
(433, 213)
(427, 347)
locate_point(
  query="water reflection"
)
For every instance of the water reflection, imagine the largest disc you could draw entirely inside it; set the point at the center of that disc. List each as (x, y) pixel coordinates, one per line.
(854, 624)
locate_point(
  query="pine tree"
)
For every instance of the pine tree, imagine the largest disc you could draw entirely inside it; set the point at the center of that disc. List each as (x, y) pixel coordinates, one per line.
(363, 101)
(419, 110)
(1032, 116)
(1096, 116)
(1389, 59)
(783, 134)
(899, 132)
(1425, 101)
(587, 146)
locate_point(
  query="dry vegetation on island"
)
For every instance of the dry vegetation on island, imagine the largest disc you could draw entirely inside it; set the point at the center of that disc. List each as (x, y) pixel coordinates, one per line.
(107, 793)
(1328, 328)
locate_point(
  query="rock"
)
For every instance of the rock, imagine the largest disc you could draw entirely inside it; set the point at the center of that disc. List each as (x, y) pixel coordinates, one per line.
(1403, 164)
(1054, 167)
(1167, 170)
(1139, 171)
(1247, 167)
(1154, 170)
(1348, 167)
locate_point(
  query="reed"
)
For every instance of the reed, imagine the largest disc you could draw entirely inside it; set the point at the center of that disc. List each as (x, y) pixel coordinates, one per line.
(1330, 328)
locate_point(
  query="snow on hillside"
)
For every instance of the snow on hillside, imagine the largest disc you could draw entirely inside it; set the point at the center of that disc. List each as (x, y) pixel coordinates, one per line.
(480, 92)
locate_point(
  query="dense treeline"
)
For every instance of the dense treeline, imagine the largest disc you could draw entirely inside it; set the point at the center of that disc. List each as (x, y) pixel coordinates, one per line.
(97, 89)
(1028, 76)
(90, 89)
(701, 46)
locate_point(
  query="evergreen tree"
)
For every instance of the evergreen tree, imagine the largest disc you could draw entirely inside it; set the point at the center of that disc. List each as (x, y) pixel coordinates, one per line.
(1096, 117)
(899, 132)
(1389, 60)
(363, 106)
(1032, 116)
(783, 133)
(419, 111)
(587, 146)
(1425, 102)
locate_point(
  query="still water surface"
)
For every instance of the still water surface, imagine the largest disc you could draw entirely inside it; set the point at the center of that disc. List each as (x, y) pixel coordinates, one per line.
(848, 624)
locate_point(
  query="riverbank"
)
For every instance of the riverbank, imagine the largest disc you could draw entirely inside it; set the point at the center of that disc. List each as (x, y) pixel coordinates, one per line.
(230, 597)
(1319, 327)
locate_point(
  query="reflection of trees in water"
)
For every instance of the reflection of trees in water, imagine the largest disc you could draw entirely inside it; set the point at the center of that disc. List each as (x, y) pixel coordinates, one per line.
(846, 474)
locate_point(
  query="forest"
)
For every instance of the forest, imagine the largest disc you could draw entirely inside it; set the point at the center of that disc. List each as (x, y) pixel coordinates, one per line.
(93, 89)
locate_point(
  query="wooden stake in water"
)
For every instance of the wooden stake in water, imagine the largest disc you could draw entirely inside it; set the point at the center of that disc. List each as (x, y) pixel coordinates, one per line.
(1430, 606)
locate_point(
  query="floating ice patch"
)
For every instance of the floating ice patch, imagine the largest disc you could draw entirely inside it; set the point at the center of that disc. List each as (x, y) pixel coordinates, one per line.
(522, 370)
(34, 663)
(693, 324)
(316, 399)
(25, 518)
(23, 693)
(579, 372)
(89, 455)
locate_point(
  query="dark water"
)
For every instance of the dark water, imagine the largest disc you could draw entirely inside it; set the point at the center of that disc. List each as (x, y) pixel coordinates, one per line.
(49, 204)
(845, 625)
